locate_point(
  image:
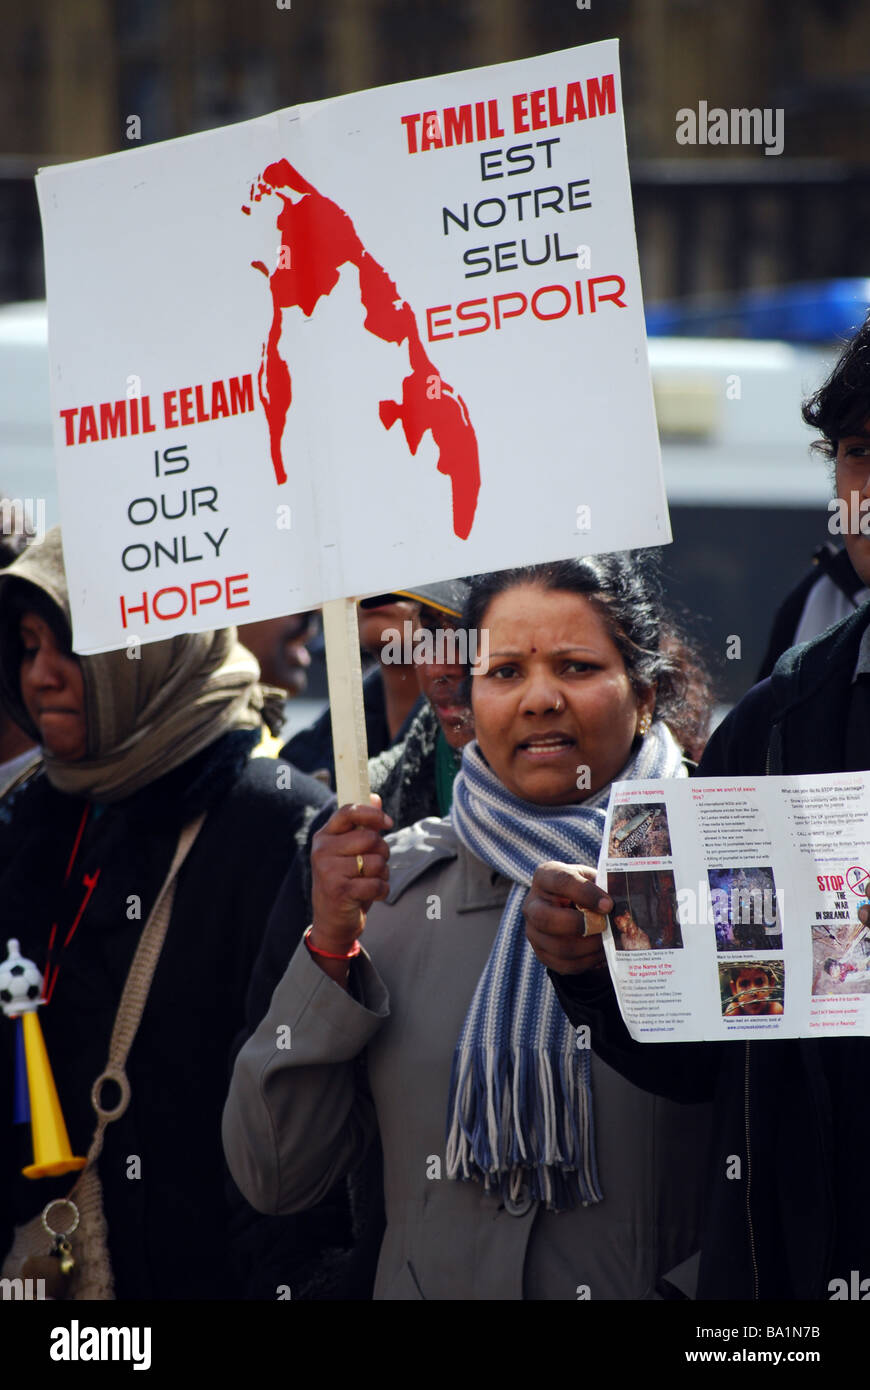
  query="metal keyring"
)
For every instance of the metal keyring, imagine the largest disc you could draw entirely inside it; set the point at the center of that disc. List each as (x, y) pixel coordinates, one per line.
(120, 1080)
(60, 1202)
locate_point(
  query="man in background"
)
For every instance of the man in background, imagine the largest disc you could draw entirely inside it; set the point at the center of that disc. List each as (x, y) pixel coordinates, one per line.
(281, 647)
(392, 695)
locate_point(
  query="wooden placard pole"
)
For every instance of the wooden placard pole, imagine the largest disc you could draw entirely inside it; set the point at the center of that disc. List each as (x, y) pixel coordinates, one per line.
(344, 677)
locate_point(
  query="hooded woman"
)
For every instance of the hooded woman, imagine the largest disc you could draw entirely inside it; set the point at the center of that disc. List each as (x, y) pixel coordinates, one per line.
(136, 745)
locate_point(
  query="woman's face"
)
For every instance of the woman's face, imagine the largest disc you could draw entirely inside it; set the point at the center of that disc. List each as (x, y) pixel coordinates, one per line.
(441, 681)
(53, 691)
(555, 714)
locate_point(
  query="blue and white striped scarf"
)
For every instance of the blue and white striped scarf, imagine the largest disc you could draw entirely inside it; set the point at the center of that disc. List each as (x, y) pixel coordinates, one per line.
(520, 1107)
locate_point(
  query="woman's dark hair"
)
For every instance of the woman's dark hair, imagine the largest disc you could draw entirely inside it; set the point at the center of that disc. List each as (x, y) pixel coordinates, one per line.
(19, 596)
(625, 590)
(841, 406)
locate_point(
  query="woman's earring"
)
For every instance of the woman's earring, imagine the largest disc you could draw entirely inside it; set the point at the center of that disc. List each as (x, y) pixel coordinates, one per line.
(644, 725)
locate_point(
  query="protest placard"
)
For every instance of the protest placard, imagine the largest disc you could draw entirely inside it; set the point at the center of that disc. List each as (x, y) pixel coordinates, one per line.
(387, 338)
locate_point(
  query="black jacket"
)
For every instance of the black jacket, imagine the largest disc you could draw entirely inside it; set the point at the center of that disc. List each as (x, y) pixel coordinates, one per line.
(172, 1232)
(831, 566)
(770, 1225)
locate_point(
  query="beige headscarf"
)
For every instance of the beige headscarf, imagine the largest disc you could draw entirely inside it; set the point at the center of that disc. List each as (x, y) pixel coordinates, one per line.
(147, 712)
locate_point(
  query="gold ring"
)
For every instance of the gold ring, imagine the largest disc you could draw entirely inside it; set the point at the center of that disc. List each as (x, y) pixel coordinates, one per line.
(360, 865)
(585, 931)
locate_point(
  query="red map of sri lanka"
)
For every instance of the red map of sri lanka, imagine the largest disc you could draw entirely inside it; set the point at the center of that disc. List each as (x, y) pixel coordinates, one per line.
(320, 238)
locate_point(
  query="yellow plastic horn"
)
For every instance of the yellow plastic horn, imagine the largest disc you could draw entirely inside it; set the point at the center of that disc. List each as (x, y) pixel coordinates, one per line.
(20, 997)
(52, 1154)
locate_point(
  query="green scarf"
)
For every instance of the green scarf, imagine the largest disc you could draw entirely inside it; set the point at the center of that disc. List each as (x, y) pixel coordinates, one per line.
(447, 764)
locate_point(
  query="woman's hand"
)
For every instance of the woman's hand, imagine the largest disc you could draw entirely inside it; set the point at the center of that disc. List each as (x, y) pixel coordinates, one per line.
(341, 894)
(555, 927)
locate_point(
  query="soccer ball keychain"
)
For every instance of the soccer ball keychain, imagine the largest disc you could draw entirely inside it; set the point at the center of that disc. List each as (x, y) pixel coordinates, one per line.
(36, 1099)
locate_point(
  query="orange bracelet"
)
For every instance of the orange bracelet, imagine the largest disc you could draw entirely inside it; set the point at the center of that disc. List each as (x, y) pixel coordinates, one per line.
(329, 955)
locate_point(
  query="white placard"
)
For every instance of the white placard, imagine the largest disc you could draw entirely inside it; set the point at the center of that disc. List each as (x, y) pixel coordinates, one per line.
(350, 346)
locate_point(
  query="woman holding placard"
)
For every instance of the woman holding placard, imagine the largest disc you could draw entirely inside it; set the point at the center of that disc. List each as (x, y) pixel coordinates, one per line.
(516, 1165)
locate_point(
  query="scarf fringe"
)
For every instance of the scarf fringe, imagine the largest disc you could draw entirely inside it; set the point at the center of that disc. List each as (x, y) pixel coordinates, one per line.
(549, 1156)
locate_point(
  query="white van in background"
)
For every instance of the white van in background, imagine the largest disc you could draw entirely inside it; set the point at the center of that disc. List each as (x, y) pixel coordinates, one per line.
(26, 456)
(729, 421)
(728, 412)
(747, 497)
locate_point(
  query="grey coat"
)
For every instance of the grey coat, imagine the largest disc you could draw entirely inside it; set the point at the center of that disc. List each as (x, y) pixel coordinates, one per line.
(299, 1116)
